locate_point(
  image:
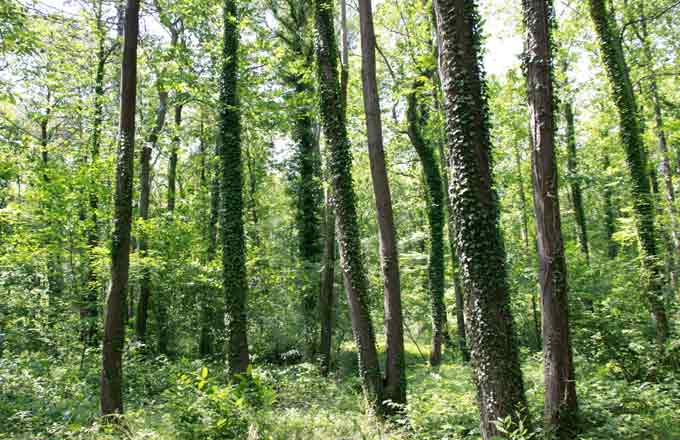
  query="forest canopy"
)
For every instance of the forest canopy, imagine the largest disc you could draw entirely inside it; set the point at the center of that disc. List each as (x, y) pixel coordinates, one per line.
(339, 219)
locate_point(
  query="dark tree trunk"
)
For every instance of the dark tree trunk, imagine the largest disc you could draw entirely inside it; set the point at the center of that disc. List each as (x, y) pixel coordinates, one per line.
(326, 299)
(233, 238)
(666, 169)
(340, 166)
(144, 201)
(560, 386)
(631, 137)
(395, 374)
(609, 213)
(435, 214)
(114, 330)
(576, 196)
(172, 163)
(495, 357)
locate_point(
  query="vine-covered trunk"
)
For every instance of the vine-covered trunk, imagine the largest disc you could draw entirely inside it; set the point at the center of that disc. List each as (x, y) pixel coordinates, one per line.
(144, 201)
(560, 386)
(631, 137)
(231, 201)
(395, 374)
(576, 195)
(494, 353)
(435, 215)
(114, 330)
(340, 167)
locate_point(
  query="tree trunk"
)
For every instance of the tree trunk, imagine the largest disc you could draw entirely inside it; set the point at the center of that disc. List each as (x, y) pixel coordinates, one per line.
(233, 238)
(172, 164)
(666, 169)
(631, 137)
(340, 166)
(144, 200)
(609, 213)
(435, 213)
(560, 387)
(577, 198)
(495, 357)
(395, 374)
(114, 330)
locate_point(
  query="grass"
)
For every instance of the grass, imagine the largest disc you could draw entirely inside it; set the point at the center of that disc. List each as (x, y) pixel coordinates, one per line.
(40, 399)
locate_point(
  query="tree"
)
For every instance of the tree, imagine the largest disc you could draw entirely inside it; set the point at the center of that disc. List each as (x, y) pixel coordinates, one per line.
(435, 214)
(631, 138)
(560, 386)
(576, 195)
(233, 239)
(395, 375)
(494, 354)
(114, 329)
(344, 202)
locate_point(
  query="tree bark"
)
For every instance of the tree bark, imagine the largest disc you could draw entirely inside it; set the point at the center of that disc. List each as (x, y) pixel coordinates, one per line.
(631, 137)
(233, 237)
(395, 374)
(340, 166)
(435, 213)
(560, 403)
(144, 202)
(576, 195)
(114, 330)
(495, 357)
(172, 163)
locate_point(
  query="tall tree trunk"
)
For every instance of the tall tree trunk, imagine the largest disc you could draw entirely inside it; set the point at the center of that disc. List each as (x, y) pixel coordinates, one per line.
(495, 357)
(435, 213)
(451, 228)
(326, 299)
(631, 137)
(144, 201)
(395, 374)
(560, 387)
(340, 166)
(662, 143)
(114, 330)
(233, 238)
(577, 198)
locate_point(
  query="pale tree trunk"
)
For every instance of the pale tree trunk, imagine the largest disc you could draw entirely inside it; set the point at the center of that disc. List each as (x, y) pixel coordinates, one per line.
(114, 330)
(560, 387)
(395, 375)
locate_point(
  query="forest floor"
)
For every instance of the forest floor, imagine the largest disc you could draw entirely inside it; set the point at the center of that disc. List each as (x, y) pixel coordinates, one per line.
(55, 397)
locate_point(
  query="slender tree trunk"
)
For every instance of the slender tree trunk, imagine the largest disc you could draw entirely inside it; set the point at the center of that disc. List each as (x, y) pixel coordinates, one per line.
(435, 213)
(631, 137)
(395, 374)
(172, 164)
(114, 330)
(233, 238)
(326, 299)
(340, 166)
(609, 214)
(144, 201)
(666, 168)
(495, 357)
(560, 386)
(577, 198)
